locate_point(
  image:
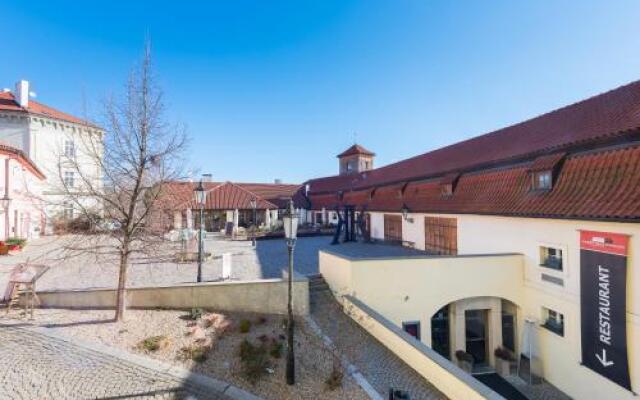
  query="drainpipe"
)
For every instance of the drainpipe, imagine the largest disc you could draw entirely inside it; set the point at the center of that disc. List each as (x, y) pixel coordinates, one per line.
(6, 198)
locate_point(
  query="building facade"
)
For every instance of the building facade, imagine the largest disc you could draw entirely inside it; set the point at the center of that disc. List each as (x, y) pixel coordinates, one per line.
(21, 184)
(231, 206)
(507, 223)
(63, 147)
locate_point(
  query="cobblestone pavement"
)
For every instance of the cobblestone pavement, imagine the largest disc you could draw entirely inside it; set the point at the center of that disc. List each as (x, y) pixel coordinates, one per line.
(34, 365)
(376, 363)
(86, 271)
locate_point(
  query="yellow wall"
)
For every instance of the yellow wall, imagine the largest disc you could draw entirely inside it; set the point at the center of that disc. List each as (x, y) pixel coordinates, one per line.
(491, 234)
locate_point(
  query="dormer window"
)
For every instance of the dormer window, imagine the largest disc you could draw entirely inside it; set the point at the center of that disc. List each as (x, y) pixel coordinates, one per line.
(544, 170)
(542, 180)
(448, 184)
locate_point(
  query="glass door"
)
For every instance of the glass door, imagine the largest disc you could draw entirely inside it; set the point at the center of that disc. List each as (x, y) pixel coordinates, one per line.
(476, 335)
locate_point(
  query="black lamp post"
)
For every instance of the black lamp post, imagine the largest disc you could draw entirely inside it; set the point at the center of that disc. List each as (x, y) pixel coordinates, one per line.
(199, 196)
(254, 204)
(290, 220)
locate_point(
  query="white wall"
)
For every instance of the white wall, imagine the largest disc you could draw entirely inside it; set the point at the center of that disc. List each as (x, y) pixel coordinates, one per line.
(560, 355)
(43, 139)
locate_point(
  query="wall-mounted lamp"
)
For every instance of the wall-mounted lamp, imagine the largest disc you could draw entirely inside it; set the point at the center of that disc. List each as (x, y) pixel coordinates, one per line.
(405, 214)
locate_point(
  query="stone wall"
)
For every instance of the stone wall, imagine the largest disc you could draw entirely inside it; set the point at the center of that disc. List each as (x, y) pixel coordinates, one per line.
(261, 296)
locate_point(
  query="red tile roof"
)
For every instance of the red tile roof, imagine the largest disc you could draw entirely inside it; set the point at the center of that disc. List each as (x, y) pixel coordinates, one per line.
(355, 149)
(22, 158)
(607, 116)
(8, 103)
(595, 179)
(229, 195)
(591, 185)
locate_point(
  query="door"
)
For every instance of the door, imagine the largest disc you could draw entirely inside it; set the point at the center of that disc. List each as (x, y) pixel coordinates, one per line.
(476, 335)
(392, 228)
(440, 332)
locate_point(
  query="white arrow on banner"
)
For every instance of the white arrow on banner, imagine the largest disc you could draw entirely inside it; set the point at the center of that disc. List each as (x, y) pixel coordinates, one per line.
(603, 359)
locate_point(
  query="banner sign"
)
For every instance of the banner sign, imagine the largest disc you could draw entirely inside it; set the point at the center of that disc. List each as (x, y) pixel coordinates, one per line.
(603, 278)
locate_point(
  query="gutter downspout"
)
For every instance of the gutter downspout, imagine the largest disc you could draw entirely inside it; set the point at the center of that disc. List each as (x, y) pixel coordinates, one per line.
(6, 198)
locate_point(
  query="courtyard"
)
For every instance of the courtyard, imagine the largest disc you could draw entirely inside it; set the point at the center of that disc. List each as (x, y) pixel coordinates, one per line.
(89, 270)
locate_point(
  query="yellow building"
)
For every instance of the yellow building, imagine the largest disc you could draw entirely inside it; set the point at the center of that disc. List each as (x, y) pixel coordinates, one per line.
(523, 239)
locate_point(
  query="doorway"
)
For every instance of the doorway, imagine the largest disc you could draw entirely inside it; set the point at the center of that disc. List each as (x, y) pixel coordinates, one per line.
(476, 335)
(440, 332)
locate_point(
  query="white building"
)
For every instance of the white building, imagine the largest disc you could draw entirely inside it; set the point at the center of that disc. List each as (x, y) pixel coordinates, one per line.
(21, 207)
(55, 142)
(526, 238)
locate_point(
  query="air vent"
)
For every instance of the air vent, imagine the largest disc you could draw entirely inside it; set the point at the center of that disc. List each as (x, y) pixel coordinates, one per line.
(552, 279)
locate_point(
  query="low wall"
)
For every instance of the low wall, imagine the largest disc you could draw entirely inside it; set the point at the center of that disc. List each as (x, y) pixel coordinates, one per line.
(262, 296)
(440, 372)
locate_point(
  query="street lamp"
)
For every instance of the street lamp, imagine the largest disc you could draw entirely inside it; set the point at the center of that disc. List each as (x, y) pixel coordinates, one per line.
(254, 204)
(199, 196)
(290, 220)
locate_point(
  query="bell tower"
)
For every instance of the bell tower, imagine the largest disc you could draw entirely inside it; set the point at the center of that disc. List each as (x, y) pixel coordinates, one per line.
(355, 159)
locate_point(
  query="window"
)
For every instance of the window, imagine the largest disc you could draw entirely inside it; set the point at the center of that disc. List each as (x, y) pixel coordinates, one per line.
(441, 235)
(551, 257)
(553, 321)
(542, 180)
(69, 179)
(412, 328)
(67, 212)
(69, 148)
(447, 189)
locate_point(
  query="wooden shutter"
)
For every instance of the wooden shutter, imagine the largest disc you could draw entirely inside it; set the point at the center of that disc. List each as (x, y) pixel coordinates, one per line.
(392, 228)
(441, 235)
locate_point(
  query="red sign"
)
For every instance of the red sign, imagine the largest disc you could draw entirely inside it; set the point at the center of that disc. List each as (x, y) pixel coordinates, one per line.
(604, 242)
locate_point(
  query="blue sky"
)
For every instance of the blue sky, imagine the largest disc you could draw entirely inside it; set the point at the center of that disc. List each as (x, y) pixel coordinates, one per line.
(275, 89)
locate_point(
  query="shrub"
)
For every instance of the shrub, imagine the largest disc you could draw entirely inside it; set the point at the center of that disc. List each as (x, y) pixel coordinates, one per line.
(195, 314)
(334, 381)
(462, 355)
(245, 326)
(504, 354)
(194, 352)
(153, 343)
(255, 360)
(275, 350)
(15, 241)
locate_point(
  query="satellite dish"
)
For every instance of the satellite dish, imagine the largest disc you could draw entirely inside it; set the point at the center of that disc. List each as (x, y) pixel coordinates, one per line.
(33, 94)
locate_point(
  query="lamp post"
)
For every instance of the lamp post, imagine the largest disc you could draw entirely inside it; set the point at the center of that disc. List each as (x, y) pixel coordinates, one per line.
(254, 204)
(199, 196)
(290, 220)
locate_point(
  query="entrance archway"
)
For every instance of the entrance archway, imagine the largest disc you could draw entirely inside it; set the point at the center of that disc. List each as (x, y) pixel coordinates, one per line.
(476, 325)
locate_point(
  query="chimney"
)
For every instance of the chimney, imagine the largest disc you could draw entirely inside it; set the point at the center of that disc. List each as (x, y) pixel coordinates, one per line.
(277, 181)
(22, 93)
(206, 177)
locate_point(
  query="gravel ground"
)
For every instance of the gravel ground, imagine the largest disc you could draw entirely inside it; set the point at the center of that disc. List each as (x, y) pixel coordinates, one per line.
(90, 271)
(313, 360)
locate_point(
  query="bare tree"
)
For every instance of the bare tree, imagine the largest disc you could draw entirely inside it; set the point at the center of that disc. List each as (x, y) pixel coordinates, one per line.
(118, 179)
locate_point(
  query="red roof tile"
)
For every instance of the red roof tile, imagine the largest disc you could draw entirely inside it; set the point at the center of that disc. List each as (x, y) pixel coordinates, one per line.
(22, 158)
(229, 195)
(355, 149)
(603, 117)
(7, 103)
(592, 185)
(547, 162)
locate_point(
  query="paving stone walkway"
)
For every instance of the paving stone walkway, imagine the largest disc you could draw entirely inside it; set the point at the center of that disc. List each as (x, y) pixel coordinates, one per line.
(374, 361)
(36, 365)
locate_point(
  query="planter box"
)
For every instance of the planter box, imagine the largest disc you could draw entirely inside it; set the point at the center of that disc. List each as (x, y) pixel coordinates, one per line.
(503, 367)
(466, 366)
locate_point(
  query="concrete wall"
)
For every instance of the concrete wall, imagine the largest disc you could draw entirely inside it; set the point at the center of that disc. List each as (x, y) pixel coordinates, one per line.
(415, 288)
(447, 377)
(263, 296)
(560, 355)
